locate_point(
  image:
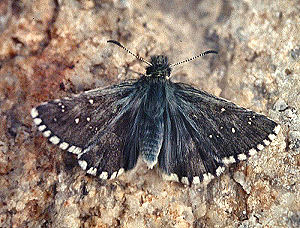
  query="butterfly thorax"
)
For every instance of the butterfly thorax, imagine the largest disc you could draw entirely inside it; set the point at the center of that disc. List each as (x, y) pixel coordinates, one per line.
(160, 67)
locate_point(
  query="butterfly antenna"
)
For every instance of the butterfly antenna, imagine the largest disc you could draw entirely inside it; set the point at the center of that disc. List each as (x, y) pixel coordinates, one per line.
(136, 56)
(195, 57)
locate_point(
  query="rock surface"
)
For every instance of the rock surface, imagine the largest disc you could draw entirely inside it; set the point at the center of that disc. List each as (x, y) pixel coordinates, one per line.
(50, 49)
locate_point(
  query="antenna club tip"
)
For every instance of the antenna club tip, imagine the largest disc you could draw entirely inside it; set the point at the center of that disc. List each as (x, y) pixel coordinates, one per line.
(211, 51)
(114, 42)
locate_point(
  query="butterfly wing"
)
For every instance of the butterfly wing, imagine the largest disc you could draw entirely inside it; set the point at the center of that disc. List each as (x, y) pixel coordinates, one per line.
(97, 125)
(204, 133)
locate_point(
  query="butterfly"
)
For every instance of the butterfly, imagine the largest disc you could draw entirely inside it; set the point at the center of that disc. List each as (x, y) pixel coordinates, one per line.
(189, 134)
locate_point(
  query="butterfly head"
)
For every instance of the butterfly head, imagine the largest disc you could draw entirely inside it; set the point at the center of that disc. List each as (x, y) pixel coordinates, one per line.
(159, 67)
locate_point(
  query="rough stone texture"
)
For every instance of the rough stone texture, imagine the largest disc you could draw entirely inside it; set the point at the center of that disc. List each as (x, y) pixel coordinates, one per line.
(50, 49)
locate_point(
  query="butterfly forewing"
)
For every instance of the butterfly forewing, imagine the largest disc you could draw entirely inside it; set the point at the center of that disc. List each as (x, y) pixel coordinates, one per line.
(97, 125)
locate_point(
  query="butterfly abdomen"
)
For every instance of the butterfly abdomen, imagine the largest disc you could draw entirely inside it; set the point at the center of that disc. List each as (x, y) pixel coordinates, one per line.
(152, 125)
(151, 139)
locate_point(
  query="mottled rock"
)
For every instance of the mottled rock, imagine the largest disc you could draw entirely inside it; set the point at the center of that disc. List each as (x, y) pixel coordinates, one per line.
(51, 49)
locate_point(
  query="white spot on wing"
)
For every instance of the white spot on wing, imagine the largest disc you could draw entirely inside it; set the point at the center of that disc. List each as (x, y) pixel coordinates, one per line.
(83, 164)
(196, 180)
(223, 110)
(34, 113)
(114, 175)
(88, 119)
(103, 175)
(71, 149)
(42, 127)
(242, 157)
(37, 121)
(92, 171)
(220, 170)
(54, 139)
(277, 129)
(233, 130)
(266, 142)
(77, 120)
(252, 152)
(47, 133)
(260, 147)
(272, 137)
(77, 150)
(64, 145)
(185, 180)
(207, 177)
(120, 172)
(91, 101)
(228, 160)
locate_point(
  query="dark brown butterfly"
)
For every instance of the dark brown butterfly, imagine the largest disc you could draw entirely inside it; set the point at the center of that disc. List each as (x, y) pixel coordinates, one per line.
(190, 134)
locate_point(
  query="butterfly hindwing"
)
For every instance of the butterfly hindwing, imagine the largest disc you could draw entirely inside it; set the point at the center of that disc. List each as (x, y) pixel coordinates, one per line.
(204, 133)
(97, 125)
